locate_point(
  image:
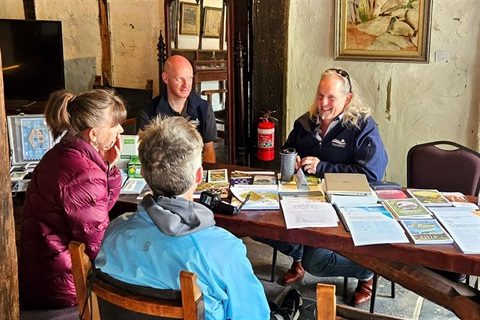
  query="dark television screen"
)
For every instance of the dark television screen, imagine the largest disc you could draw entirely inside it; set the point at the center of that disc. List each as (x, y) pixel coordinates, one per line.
(32, 58)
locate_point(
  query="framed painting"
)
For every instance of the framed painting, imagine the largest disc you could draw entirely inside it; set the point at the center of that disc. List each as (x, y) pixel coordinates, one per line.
(213, 22)
(383, 30)
(189, 19)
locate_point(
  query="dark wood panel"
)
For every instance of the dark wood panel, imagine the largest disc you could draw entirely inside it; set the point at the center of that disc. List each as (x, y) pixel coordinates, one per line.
(9, 305)
(269, 58)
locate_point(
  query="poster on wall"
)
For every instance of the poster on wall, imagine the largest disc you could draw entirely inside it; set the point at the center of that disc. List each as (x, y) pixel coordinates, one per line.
(213, 21)
(383, 30)
(189, 19)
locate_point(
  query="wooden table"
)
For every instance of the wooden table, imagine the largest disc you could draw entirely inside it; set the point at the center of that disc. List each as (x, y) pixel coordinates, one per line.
(403, 263)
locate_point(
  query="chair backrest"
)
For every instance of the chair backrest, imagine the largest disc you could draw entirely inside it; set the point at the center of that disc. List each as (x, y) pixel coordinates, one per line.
(429, 167)
(326, 302)
(89, 290)
(135, 99)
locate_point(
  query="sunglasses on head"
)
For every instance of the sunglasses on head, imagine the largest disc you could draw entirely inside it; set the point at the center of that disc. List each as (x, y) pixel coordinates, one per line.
(344, 74)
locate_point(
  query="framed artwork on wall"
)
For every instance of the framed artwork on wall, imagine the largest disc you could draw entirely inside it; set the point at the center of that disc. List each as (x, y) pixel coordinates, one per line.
(189, 19)
(383, 30)
(213, 22)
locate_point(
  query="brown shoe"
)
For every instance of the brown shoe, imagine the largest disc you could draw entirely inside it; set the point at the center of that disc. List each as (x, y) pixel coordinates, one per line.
(363, 293)
(294, 274)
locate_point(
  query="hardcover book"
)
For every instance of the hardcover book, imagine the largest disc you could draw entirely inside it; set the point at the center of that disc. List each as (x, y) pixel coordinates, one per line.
(429, 197)
(427, 231)
(409, 208)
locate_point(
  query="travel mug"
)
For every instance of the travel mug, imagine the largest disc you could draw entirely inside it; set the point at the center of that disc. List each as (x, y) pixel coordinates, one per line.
(287, 164)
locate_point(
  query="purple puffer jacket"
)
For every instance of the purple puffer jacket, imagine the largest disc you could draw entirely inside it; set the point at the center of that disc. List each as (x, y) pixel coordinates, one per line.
(68, 198)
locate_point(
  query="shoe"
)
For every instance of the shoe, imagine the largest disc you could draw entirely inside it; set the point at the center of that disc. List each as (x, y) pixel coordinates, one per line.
(363, 293)
(290, 307)
(294, 274)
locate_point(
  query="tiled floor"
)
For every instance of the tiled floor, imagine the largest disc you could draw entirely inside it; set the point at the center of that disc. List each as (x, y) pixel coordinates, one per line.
(406, 304)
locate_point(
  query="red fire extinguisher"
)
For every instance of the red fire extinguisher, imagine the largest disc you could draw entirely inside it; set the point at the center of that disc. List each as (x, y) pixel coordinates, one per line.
(266, 137)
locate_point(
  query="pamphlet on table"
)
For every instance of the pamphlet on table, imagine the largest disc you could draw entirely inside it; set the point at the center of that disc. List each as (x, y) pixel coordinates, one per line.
(409, 208)
(463, 224)
(372, 225)
(215, 181)
(429, 197)
(303, 213)
(426, 231)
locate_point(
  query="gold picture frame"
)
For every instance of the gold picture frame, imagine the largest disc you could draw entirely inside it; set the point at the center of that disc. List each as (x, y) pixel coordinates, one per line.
(212, 22)
(189, 19)
(395, 33)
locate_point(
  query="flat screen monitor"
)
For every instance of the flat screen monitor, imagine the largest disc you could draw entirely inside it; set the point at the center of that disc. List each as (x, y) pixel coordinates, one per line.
(29, 138)
(32, 58)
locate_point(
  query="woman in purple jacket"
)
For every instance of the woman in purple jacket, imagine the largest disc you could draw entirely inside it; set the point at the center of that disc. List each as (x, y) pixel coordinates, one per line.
(70, 193)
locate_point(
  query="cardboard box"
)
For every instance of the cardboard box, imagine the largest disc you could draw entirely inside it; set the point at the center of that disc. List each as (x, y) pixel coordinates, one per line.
(130, 149)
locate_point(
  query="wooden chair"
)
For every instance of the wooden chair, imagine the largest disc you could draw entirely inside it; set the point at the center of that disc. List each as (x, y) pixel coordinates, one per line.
(190, 306)
(326, 302)
(135, 99)
(220, 115)
(432, 167)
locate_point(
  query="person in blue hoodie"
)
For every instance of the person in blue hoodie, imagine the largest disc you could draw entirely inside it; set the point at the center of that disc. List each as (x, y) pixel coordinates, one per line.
(170, 232)
(337, 134)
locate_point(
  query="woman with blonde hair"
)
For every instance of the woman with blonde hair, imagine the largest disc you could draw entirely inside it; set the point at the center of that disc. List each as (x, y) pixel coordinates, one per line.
(337, 134)
(71, 191)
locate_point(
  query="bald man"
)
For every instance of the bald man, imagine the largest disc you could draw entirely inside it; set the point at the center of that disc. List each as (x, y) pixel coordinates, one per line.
(179, 100)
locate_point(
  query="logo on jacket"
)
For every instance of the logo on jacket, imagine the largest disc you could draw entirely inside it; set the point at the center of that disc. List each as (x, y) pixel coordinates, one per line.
(339, 143)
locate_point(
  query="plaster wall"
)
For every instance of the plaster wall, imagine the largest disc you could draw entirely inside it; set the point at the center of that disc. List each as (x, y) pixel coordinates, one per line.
(134, 29)
(11, 9)
(425, 102)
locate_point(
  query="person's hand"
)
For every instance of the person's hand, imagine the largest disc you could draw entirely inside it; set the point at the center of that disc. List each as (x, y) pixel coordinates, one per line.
(309, 164)
(113, 154)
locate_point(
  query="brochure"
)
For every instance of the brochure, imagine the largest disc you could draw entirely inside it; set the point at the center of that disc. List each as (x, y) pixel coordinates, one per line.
(458, 199)
(429, 197)
(372, 225)
(262, 197)
(463, 224)
(409, 208)
(304, 213)
(426, 231)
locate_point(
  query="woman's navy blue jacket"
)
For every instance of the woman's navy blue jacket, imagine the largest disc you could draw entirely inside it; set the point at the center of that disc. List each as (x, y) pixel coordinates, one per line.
(344, 148)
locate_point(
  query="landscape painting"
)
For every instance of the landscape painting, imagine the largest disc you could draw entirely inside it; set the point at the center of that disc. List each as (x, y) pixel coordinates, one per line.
(382, 30)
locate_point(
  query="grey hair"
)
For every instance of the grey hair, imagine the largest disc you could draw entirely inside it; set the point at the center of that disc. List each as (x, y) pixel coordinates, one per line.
(354, 111)
(170, 152)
